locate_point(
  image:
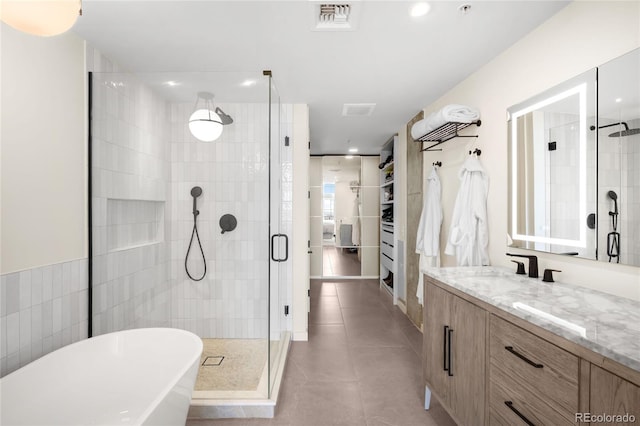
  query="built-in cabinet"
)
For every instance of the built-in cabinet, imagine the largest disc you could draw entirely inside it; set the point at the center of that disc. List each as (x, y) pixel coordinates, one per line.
(388, 235)
(533, 376)
(454, 354)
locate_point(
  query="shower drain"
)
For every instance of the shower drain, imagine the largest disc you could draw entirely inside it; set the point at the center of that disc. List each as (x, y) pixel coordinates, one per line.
(212, 361)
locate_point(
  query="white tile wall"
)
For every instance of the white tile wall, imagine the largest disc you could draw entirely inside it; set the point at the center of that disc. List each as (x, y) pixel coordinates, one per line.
(41, 310)
(130, 130)
(233, 173)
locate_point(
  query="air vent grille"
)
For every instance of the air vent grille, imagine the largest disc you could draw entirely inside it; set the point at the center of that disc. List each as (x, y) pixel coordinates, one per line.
(334, 17)
(357, 110)
(336, 14)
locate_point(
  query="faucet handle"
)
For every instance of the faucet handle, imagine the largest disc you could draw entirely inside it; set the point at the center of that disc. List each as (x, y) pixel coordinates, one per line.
(548, 275)
(520, 270)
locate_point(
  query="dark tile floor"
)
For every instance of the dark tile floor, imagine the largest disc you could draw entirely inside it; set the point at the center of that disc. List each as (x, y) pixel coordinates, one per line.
(360, 367)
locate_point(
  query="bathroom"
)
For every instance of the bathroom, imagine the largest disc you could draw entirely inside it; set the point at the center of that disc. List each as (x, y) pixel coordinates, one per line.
(490, 88)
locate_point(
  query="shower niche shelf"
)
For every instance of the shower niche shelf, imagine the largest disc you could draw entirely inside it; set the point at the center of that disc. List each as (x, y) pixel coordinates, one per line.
(133, 223)
(444, 133)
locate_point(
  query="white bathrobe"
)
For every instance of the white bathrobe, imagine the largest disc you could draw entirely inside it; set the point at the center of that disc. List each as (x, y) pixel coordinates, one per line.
(469, 233)
(428, 238)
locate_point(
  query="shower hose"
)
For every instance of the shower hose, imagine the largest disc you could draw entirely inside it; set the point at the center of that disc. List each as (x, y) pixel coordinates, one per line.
(195, 234)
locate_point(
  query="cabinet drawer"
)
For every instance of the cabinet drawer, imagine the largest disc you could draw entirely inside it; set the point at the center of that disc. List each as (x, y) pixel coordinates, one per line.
(523, 403)
(539, 372)
(387, 262)
(386, 236)
(387, 249)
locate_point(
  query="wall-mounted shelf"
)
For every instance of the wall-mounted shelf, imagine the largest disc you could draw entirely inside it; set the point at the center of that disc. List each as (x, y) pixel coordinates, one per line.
(444, 133)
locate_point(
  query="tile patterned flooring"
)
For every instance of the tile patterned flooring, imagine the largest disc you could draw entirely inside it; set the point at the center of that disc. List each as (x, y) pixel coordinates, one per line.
(360, 367)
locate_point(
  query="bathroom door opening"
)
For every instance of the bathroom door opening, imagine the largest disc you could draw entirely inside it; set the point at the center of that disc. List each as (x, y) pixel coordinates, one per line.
(145, 164)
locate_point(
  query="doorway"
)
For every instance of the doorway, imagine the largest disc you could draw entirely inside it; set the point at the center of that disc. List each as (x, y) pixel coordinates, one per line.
(344, 221)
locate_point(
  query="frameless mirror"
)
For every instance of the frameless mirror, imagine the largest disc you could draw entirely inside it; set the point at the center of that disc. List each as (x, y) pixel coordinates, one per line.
(552, 172)
(559, 202)
(619, 160)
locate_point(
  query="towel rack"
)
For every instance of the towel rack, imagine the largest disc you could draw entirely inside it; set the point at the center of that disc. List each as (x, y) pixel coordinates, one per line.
(444, 133)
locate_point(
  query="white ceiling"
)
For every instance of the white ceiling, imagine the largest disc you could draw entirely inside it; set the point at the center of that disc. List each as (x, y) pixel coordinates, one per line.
(400, 63)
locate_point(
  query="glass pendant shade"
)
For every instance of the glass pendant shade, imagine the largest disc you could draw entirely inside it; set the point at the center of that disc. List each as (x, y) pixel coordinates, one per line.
(40, 17)
(205, 125)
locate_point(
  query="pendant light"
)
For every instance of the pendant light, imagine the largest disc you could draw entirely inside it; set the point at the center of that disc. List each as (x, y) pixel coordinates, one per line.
(40, 17)
(204, 123)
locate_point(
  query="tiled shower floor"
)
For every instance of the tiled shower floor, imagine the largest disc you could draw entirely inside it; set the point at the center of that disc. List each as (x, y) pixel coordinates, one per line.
(231, 364)
(360, 367)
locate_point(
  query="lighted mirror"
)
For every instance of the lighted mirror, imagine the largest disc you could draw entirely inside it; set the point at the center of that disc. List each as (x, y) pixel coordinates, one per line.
(575, 178)
(552, 170)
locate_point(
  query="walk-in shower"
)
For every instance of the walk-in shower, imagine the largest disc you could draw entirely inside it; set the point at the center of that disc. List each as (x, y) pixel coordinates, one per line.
(159, 198)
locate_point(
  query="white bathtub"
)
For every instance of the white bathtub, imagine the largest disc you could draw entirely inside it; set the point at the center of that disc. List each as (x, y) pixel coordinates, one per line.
(134, 377)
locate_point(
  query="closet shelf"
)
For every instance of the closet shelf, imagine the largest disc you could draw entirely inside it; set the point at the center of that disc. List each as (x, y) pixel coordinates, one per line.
(444, 133)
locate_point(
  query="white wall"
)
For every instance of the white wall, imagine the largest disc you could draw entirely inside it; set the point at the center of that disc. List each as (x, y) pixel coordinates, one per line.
(583, 35)
(43, 287)
(300, 257)
(43, 150)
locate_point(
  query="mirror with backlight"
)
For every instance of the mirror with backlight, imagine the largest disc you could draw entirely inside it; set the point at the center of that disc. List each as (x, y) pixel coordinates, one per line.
(559, 202)
(552, 170)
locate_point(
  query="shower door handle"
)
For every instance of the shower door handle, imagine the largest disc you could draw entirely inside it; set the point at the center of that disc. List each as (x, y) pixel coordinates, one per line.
(286, 247)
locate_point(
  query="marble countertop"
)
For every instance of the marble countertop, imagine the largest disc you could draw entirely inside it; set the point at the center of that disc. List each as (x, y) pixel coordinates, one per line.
(605, 324)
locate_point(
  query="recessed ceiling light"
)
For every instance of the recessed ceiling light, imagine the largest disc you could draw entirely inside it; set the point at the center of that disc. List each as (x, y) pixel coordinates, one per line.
(248, 83)
(420, 9)
(353, 149)
(618, 100)
(171, 83)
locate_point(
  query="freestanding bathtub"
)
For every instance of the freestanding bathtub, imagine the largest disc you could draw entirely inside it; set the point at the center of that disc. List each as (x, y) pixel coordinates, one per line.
(133, 377)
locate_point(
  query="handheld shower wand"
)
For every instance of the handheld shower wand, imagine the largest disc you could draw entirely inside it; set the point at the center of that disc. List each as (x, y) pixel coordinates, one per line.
(613, 238)
(196, 191)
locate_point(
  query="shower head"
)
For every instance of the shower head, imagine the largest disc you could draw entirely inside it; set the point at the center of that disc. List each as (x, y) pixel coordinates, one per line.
(196, 191)
(626, 132)
(614, 197)
(224, 118)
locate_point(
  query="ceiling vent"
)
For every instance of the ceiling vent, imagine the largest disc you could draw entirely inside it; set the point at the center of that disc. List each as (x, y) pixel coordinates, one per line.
(334, 16)
(357, 110)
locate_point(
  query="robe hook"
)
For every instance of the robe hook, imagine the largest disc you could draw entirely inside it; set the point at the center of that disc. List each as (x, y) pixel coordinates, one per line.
(475, 151)
(437, 163)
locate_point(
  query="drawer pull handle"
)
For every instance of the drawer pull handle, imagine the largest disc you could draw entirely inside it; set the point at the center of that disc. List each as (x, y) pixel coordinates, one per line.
(444, 349)
(518, 413)
(449, 333)
(522, 357)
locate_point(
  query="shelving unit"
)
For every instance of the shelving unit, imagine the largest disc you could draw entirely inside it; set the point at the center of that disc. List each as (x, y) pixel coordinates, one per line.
(388, 237)
(444, 133)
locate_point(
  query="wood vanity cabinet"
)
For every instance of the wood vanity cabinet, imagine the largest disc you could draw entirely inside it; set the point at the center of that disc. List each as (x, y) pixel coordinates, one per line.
(489, 367)
(609, 394)
(530, 378)
(454, 349)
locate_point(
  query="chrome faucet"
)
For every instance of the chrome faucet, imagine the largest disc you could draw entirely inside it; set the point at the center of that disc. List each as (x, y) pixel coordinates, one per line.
(533, 263)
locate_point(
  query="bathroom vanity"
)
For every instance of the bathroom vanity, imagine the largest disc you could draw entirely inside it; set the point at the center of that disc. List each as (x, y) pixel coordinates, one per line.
(503, 349)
